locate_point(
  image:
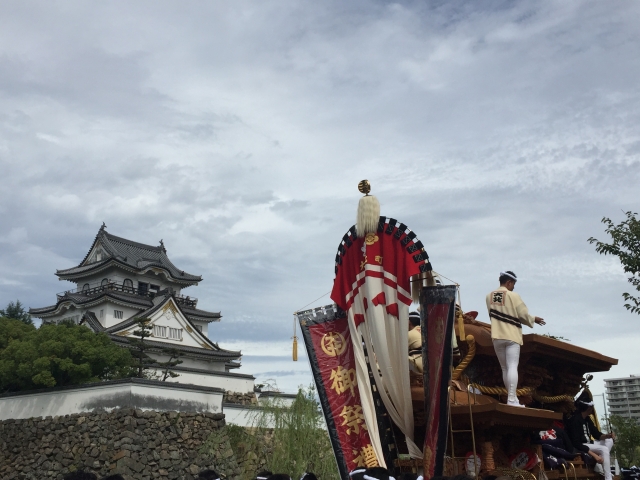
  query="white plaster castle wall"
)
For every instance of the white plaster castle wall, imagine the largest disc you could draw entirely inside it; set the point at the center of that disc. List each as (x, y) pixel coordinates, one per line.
(227, 381)
(105, 313)
(203, 325)
(192, 363)
(240, 415)
(145, 395)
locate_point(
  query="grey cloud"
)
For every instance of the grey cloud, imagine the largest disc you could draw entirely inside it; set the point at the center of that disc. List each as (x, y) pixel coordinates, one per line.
(501, 132)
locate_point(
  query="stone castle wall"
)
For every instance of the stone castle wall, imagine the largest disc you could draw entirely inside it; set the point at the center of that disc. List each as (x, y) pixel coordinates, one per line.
(238, 398)
(138, 444)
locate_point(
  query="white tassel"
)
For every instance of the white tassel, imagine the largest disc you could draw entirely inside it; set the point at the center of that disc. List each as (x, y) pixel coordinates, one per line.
(368, 215)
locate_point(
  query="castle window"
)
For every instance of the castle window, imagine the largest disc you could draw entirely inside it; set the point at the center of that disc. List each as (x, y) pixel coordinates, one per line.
(159, 331)
(154, 288)
(85, 287)
(143, 288)
(101, 313)
(118, 314)
(128, 285)
(98, 255)
(105, 282)
(175, 333)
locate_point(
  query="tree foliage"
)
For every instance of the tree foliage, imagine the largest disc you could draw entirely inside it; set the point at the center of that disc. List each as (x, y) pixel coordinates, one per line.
(625, 244)
(141, 361)
(174, 360)
(17, 312)
(291, 439)
(628, 440)
(57, 355)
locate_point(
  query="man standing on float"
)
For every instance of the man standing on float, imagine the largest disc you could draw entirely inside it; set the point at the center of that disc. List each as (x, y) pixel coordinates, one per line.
(508, 313)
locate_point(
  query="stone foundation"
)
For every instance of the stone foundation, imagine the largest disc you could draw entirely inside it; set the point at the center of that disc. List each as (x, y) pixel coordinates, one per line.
(237, 398)
(138, 444)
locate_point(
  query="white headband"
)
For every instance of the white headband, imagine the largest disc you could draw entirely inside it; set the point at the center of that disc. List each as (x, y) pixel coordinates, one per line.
(508, 275)
(355, 472)
(588, 404)
(367, 477)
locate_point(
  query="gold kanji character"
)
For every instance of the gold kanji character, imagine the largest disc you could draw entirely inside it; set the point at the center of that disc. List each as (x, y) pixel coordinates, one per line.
(353, 419)
(366, 457)
(379, 259)
(343, 380)
(363, 263)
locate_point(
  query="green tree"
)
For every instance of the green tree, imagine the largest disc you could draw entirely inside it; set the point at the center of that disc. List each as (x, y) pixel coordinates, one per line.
(174, 360)
(283, 438)
(17, 312)
(625, 244)
(628, 440)
(57, 355)
(141, 361)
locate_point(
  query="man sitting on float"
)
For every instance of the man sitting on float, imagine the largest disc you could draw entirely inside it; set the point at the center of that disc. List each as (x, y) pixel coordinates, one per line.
(508, 313)
(587, 438)
(415, 343)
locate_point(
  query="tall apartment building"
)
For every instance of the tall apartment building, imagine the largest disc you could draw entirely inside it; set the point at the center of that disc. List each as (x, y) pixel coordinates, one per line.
(623, 396)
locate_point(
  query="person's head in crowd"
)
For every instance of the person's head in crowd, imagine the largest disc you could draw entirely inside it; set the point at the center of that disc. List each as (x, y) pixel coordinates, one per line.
(461, 477)
(263, 475)
(117, 476)
(377, 473)
(208, 474)
(279, 476)
(357, 474)
(80, 475)
(408, 476)
(414, 320)
(308, 476)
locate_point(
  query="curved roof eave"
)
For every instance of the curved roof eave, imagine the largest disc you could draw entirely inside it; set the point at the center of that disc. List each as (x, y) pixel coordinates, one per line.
(56, 309)
(74, 273)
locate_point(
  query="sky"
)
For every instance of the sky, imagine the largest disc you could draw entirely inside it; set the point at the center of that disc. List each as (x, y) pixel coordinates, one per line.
(501, 132)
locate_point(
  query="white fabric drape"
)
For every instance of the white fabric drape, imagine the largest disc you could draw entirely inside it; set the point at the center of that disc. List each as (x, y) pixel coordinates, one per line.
(385, 337)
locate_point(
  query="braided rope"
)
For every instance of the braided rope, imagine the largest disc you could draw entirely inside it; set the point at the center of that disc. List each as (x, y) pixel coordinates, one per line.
(555, 399)
(471, 341)
(523, 392)
(503, 391)
(516, 473)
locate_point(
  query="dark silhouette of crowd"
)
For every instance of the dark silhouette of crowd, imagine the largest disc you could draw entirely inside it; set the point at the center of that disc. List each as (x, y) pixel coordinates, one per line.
(375, 473)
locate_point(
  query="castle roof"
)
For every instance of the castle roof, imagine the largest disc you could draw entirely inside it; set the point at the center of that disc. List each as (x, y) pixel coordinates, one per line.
(120, 331)
(125, 297)
(128, 255)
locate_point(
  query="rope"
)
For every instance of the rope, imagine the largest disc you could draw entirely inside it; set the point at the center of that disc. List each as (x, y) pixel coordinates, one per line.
(324, 295)
(446, 278)
(471, 341)
(556, 399)
(503, 391)
(523, 392)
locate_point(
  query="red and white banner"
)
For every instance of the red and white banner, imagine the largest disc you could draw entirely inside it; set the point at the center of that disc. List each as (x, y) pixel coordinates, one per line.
(372, 285)
(328, 341)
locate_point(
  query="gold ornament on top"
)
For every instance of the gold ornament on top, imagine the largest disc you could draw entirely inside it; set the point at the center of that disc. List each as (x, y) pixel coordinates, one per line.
(364, 187)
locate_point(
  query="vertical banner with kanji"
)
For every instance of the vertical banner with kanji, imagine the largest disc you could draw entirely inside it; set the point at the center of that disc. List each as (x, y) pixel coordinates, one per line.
(326, 335)
(437, 305)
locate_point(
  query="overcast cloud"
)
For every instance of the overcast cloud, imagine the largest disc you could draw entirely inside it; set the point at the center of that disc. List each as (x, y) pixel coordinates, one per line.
(501, 132)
